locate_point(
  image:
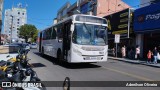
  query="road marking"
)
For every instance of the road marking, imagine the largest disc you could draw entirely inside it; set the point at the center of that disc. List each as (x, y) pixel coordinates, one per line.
(128, 74)
(139, 67)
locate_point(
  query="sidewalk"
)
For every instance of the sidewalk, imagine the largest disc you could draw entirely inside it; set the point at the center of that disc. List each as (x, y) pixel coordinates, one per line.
(134, 61)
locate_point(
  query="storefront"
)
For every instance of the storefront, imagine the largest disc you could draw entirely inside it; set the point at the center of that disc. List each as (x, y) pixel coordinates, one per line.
(121, 23)
(147, 24)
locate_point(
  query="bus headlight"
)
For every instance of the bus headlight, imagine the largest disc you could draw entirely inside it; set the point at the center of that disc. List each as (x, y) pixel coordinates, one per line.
(77, 51)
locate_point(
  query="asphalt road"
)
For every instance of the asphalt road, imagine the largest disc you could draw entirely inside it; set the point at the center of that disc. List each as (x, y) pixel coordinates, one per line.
(49, 70)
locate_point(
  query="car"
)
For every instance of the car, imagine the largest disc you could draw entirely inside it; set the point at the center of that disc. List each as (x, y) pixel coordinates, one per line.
(22, 45)
(26, 45)
(33, 46)
(9, 51)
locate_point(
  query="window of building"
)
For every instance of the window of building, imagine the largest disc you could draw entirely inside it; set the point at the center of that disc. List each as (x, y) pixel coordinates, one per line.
(18, 12)
(22, 13)
(17, 19)
(17, 22)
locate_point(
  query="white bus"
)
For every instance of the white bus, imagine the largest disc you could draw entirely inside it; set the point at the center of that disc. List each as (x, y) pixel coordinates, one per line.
(77, 39)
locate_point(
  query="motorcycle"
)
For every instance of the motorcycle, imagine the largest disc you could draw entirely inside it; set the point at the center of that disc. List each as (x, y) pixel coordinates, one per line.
(18, 70)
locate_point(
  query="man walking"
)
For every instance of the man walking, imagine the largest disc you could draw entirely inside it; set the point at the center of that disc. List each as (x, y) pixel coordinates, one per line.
(155, 52)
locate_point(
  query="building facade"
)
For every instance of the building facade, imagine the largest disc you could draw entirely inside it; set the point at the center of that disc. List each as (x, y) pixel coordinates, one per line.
(141, 37)
(144, 3)
(94, 7)
(62, 12)
(3, 38)
(1, 10)
(14, 18)
(147, 28)
(107, 7)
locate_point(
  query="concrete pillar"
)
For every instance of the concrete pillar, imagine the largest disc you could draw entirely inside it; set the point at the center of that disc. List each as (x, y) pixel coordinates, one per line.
(140, 41)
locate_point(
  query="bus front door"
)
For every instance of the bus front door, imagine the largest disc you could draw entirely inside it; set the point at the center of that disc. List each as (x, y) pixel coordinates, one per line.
(66, 39)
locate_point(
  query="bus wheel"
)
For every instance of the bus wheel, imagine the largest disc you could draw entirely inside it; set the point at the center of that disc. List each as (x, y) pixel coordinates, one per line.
(59, 56)
(42, 51)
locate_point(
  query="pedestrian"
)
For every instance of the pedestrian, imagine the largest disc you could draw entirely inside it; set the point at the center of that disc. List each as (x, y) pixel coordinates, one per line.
(137, 55)
(123, 51)
(149, 55)
(155, 52)
(132, 53)
(113, 52)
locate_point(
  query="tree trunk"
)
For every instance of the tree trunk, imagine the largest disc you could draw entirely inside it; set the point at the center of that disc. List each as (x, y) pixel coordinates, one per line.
(26, 39)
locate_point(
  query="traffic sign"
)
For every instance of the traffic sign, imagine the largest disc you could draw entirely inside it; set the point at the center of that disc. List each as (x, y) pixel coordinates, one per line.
(117, 38)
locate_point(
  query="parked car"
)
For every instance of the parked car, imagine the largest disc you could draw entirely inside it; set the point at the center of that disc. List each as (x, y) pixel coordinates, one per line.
(8, 51)
(27, 46)
(33, 46)
(22, 45)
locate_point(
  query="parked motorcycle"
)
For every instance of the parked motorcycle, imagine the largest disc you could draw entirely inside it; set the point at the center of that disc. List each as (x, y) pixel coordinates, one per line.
(18, 70)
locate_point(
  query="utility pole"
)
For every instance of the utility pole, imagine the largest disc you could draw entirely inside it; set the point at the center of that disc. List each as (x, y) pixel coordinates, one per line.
(11, 28)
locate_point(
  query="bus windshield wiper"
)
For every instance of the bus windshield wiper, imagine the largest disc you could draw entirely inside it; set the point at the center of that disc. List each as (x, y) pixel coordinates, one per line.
(89, 31)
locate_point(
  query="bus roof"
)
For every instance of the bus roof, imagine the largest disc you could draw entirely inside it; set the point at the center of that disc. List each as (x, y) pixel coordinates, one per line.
(71, 18)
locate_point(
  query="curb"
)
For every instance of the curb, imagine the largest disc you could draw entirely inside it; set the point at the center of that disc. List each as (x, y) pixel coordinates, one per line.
(135, 62)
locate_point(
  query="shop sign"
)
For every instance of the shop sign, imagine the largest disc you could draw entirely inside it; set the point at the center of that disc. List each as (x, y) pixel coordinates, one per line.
(119, 23)
(147, 19)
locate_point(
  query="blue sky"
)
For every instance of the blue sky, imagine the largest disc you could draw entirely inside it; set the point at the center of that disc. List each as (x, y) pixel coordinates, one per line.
(42, 12)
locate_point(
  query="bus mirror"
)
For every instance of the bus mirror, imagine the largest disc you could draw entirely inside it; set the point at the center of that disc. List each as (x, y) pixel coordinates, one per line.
(60, 40)
(72, 27)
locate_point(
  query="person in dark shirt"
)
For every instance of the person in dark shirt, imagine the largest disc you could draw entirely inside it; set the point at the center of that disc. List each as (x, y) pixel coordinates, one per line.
(155, 52)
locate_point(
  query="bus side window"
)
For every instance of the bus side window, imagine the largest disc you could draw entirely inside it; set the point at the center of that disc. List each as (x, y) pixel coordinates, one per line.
(49, 33)
(53, 33)
(44, 35)
(59, 33)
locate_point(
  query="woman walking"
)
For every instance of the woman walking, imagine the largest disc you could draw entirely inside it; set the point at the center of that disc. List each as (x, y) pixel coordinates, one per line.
(149, 55)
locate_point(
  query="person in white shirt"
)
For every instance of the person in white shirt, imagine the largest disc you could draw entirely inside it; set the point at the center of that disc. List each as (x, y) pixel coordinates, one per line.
(123, 51)
(137, 56)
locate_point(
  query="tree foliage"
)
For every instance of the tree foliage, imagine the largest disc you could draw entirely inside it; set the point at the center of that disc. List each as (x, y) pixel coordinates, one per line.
(28, 31)
(34, 38)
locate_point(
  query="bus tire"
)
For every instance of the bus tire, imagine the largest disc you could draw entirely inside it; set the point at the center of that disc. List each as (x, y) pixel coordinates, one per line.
(42, 51)
(59, 56)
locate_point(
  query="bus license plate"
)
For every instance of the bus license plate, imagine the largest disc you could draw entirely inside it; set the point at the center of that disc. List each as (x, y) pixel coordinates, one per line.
(93, 58)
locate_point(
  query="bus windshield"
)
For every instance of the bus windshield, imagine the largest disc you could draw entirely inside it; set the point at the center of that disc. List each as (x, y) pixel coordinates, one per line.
(89, 34)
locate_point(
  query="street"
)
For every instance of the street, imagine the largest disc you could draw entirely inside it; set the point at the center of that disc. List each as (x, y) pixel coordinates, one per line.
(112, 70)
